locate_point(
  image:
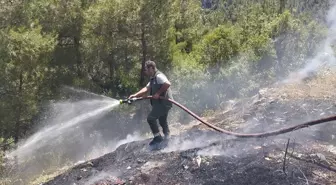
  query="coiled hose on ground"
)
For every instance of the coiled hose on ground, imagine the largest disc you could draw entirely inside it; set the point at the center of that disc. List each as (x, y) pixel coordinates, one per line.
(254, 135)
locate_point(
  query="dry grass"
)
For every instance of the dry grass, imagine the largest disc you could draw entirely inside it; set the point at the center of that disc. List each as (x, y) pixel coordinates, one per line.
(234, 113)
(45, 177)
(178, 129)
(322, 86)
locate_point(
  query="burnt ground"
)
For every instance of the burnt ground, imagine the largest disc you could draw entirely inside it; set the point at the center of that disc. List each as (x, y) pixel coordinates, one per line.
(132, 163)
(198, 155)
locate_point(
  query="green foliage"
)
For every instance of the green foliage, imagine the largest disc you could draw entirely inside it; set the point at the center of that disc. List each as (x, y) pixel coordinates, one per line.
(210, 55)
(221, 45)
(99, 45)
(24, 68)
(54, 15)
(110, 44)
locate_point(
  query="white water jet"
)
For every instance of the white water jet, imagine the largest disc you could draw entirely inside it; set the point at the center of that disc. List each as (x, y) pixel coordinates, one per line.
(69, 117)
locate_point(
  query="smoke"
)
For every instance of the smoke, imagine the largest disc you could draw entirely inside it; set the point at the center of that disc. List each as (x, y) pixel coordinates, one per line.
(235, 148)
(213, 143)
(203, 90)
(325, 56)
(193, 139)
(84, 129)
(99, 150)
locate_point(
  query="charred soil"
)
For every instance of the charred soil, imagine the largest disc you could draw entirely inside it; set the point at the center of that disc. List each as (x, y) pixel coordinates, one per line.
(202, 156)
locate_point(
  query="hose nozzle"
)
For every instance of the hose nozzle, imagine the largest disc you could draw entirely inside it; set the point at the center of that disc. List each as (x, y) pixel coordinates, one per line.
(129, 101)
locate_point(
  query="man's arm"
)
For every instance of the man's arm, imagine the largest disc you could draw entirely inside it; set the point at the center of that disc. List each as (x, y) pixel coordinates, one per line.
(163, 88)
(140, 93)
(162, 79)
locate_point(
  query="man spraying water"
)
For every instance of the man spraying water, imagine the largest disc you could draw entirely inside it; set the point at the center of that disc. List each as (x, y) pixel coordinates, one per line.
(158, 86)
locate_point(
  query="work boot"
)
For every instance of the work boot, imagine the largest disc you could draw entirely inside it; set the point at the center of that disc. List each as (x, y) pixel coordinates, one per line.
(156, 140)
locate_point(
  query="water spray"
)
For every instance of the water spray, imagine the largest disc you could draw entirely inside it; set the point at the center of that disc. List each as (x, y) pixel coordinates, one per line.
(241, 135)
(71, 121)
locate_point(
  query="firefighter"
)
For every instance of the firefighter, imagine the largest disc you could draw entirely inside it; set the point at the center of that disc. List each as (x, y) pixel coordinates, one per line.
(159, 85)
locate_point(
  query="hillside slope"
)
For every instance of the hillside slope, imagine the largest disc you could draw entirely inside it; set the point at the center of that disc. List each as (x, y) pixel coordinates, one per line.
(198, 155)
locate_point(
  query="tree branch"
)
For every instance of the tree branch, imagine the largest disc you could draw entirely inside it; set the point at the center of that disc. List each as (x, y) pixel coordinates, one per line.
(284, 162)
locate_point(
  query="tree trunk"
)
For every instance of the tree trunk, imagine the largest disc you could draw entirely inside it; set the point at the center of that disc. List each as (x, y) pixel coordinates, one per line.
(17, 131)
(111, 85)
(144, 54)
(279, 50)
(282, 6)
(141, 110)
(18, 112)
(111, 66)
(2, 128)
(78, 56)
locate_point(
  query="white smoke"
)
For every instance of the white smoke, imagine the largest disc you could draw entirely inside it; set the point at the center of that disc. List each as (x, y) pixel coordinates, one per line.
(100, 150)
(325, 57)
(182, 143)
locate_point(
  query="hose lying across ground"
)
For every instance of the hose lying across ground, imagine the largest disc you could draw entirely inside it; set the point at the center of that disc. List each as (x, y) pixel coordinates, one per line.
(254, 135)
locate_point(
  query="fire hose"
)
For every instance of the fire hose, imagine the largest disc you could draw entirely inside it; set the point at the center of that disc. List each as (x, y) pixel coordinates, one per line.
(252, 135)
